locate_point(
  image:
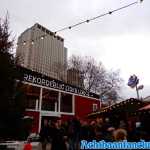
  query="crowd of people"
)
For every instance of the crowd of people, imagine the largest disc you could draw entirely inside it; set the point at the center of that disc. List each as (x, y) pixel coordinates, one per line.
(67, 135)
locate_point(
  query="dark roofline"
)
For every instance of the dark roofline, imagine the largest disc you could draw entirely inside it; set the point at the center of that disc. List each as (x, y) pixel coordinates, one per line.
(115, 106)
(48, 31)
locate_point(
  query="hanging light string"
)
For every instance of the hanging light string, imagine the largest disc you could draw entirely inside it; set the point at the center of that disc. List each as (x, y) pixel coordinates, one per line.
(97, 17)
(87, 21)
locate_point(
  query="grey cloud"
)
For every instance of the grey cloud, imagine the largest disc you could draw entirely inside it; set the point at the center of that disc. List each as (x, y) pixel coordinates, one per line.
(84, 39)
(56, 14)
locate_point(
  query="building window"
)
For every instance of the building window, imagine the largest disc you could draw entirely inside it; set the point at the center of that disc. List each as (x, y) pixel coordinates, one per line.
(49, 100)
(94, 107)
(32, 96)
(66, 103)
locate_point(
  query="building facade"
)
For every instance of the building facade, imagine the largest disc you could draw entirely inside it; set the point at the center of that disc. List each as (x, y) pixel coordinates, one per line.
(74, 77)
(47, 98)
(41, 50)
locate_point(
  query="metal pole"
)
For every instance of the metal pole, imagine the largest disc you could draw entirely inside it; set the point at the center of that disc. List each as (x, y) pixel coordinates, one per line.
(137, 91)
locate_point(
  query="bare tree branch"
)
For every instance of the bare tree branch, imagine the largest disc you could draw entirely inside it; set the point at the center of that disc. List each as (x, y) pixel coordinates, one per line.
(96, 78)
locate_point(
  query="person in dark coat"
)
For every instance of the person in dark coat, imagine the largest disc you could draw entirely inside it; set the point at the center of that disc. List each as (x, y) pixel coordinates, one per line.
(58, 142)
(85, 131)
(45, 134)
(92, 134)
(74, 133)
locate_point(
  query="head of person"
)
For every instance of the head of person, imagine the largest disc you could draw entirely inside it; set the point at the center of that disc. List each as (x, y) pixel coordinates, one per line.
(92, 123)
(84, 123)
(122, 124)
(99, 120)
(106, 120)
(120, 134)
(57, 125)
(59, 121)
(111, 129)
(138, 124)
(45, 122)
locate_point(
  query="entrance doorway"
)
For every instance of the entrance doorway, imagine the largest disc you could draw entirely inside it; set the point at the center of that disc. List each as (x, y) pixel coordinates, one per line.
(50, 119)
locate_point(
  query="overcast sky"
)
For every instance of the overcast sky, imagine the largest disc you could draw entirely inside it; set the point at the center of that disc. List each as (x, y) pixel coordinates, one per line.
(120, 41)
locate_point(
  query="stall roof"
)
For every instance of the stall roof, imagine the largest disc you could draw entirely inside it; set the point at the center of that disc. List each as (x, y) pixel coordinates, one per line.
(128, 105)
(147, 107)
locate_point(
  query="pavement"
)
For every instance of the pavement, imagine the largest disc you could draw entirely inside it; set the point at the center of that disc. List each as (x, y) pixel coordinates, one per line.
(19, 145)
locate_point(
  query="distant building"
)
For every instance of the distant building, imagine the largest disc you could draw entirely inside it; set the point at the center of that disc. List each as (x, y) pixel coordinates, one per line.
(40, 49)
(74, 77)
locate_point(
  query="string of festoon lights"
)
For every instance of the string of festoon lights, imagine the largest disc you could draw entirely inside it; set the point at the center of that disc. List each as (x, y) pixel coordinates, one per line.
(87, 20)
(97, 17)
